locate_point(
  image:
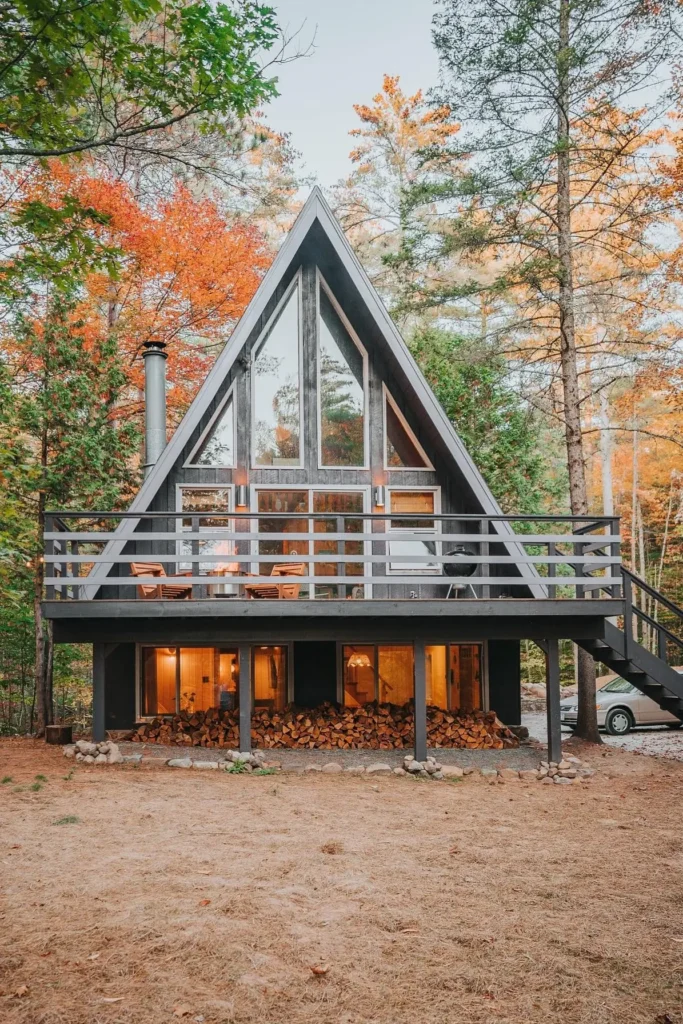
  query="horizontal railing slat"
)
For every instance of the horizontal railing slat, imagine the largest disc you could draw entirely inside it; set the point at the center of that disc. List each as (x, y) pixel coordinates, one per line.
(235, 535)
(331, 556)
(424, 579)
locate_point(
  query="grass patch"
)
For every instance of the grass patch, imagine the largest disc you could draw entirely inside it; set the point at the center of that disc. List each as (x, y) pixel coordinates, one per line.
(41, 778)
(69, 777)
(6, 779)
(70, 819)
(264, 771)
(237, 768)
(35, 787)
(18, 789)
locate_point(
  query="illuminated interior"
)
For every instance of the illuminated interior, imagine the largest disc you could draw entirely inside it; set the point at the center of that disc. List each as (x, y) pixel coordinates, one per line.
(269, 667)
(188, 679)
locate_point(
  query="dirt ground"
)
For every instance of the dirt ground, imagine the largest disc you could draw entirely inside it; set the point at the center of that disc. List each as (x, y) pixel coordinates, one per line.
(142, 894)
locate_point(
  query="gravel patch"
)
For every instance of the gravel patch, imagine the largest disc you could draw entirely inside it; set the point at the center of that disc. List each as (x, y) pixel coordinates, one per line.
(655, 740)
(297, 760)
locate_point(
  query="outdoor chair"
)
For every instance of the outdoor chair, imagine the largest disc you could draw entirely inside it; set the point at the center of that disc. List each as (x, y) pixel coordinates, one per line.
(152, 591)
(277, 591)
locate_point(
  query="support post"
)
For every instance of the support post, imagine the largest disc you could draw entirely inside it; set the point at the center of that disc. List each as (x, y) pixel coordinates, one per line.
(244, 651)
(420, 691)
(98, 693)
(552, 698)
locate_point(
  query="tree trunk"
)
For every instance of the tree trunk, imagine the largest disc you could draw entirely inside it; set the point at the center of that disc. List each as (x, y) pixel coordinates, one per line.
(43, 631)
(587, 723)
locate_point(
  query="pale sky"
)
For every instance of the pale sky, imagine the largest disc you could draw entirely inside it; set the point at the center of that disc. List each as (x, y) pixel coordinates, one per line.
(356, 42)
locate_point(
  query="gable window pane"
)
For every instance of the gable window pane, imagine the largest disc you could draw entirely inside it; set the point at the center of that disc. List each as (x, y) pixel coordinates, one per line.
(277, 391)
(282, 501)
(342, 393)
(401, 450)
(218, 448)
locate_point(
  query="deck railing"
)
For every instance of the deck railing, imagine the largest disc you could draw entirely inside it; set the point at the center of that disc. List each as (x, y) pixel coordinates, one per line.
(360, 555)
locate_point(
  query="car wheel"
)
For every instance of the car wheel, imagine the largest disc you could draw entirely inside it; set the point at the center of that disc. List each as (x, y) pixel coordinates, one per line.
(674, 725)
(618, 722)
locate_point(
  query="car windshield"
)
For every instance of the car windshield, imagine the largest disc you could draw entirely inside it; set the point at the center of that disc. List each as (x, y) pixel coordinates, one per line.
(617, 686)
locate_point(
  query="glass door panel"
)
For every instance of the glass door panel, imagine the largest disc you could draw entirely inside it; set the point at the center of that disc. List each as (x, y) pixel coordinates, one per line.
(437, 676)
(465, 672)
(341, 504)
(287, 502)
(395, 673)
(359, 674)
(195, 501)
(270, 677)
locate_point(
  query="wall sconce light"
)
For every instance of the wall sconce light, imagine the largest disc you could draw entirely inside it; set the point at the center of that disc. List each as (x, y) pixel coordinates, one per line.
(242, 495)
(380, 496)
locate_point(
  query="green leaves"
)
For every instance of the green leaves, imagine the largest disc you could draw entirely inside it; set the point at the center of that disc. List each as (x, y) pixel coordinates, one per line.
(78, 76)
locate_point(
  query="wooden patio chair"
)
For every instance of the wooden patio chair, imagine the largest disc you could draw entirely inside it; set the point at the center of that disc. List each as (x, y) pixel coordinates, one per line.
(151, 591)
(277, 591)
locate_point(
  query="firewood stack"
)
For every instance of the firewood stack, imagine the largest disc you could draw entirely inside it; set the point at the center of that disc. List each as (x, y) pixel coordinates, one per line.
(372, 726)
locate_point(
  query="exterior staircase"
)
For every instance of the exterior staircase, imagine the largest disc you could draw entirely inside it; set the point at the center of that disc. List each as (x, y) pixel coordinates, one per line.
(624, 654)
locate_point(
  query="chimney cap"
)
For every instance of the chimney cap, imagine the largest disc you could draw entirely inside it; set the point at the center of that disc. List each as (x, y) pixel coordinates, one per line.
(156, 347)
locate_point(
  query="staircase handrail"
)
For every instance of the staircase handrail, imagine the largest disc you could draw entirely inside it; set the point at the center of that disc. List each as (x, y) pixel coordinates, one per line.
(652, 592)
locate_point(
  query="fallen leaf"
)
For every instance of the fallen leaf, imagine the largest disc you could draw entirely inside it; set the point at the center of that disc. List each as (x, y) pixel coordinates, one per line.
(204, 903)
(453, 850)
(21, 991)
(204, 872)
(182, 1011)
(93, 956)
(113, 999)
(410, 931)
(319, 969)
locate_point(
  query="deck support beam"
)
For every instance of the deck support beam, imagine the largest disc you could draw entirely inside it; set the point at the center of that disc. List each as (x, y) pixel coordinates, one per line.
(244, 651)
(98, 693)
(552, 663)
(420, 693)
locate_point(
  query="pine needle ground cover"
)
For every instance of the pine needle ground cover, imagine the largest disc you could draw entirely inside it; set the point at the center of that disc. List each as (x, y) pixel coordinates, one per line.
(145, 895)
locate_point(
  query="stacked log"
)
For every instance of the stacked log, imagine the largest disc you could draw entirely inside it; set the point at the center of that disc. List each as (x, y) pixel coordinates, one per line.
(330, 727)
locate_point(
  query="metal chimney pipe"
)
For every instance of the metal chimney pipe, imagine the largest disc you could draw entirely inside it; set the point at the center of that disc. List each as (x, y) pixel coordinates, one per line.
(155, 357)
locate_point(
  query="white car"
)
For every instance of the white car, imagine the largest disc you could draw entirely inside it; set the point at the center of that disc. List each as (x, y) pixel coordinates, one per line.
(621, 706)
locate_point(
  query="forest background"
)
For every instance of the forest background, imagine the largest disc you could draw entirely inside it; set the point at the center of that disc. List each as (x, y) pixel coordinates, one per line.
(520, 218)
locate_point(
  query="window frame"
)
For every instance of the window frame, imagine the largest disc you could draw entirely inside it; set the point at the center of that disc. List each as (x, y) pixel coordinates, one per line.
(206, 433)
(295, 283)
(321, 282)
(428, 468)
(431, 533)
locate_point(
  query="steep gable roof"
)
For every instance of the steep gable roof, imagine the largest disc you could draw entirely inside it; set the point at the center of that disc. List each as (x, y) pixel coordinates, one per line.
(315, 213)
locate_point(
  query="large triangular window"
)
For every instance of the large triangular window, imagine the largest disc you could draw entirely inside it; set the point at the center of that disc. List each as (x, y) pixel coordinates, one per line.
(342, 372)
(277, 389)
(402, 449)
(216, 447)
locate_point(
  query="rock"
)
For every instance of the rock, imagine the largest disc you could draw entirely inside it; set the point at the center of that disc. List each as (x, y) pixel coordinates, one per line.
(576, 761)
(452, 771)
(101, 759)
(103, 748)
(567, 773)
(231, 755)
(488, 772)
(545, 764)
(400, 771)
(509, 774)
(114, 756)
(547, 780)
(245, 755)
(408, 757)
(414, 766)
(438, 775)
(356, 769)
(70, 750)
(552, 772)
(86, 747)
(88, 759)
(313, 768)
(333, 768)
(378, 769)
(585, 773)
(430, 767)
(80, 757)
(132, 758)
(468, 771)
(528, 775)
(179, 762)
(205, 764)
(542, 773)
(558, 780)
(552, 764)
(563, 765)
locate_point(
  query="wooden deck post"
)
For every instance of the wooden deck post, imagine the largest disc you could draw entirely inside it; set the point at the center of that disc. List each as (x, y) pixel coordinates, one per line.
(552, 698)
(420, 692)
(245, 696)
(98, 693)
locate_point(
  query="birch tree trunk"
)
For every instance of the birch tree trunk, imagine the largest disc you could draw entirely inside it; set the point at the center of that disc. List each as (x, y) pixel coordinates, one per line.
(587, 723)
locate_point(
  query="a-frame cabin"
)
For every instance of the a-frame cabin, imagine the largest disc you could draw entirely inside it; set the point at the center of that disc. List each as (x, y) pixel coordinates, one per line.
(330, 537)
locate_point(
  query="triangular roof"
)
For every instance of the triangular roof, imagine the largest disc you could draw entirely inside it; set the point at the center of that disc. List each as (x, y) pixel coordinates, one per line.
(315, 212)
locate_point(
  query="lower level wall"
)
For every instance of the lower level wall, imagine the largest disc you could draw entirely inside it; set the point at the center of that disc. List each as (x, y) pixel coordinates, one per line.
(505, 688)
(119, 686)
